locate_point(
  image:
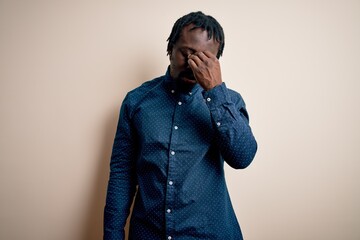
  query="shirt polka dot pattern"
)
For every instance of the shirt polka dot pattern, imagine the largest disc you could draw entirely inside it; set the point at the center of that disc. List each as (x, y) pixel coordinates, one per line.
(173, 145)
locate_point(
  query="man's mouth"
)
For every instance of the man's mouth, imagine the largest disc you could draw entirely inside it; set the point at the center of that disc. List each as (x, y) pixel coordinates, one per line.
(189, 80)
(189, 76)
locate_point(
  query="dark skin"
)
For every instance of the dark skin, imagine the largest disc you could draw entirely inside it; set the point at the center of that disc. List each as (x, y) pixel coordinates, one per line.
(193, 59)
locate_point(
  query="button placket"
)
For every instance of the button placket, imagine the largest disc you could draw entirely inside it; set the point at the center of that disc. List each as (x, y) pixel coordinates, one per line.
(171, 175)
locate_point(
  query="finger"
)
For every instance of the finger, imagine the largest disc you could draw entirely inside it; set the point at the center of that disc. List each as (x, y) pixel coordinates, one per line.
(195, 58)
(209, 54)
(202, 56)
(192, 64)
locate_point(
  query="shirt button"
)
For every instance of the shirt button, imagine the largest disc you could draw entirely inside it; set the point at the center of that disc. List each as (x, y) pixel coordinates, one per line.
(190, 93)
(208, 99)
(169, 237)
(172, 91)
(179, 103)
(218, 123)
(172, 153)
(176, 127)
(168, 211)
(171, 183)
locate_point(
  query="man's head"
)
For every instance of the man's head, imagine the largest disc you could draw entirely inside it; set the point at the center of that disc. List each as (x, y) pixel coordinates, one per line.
(199, 20)
(194, 32)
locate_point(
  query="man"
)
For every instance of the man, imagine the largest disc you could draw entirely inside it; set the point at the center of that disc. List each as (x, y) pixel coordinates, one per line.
(173, 136)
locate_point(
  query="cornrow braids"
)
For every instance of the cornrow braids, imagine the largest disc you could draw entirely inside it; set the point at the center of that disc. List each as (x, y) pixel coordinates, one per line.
(199, 20)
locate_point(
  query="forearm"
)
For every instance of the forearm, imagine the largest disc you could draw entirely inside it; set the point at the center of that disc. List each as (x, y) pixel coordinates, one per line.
(234, 136)
(237, 144)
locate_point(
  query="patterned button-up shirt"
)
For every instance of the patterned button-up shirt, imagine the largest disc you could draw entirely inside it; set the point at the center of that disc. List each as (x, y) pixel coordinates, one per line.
(172, 145)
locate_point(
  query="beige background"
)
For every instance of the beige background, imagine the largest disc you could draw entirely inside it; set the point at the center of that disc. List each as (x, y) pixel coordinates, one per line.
(65, 67)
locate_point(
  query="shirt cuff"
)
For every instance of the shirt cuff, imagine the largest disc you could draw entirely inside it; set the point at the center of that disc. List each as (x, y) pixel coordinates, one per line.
(217, 96)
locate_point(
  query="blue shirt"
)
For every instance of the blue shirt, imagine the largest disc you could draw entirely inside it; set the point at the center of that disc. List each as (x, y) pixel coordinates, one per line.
(172, 145)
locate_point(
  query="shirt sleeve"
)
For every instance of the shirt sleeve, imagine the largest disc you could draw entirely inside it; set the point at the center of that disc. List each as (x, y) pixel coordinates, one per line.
(234, 136)
(122, 180)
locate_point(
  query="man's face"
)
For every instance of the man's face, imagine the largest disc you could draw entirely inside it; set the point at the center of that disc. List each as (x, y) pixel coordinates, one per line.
(190, 41)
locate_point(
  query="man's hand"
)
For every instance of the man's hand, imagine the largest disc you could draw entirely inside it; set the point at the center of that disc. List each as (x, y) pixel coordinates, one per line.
(206, 69)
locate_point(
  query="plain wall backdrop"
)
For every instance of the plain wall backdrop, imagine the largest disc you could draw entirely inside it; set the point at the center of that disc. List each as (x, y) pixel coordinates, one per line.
(65, 67)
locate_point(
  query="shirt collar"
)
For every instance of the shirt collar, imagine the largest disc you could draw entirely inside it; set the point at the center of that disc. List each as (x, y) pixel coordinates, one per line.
(172, 87)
